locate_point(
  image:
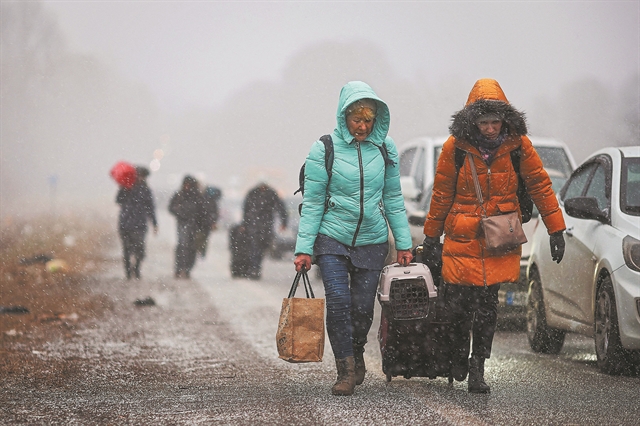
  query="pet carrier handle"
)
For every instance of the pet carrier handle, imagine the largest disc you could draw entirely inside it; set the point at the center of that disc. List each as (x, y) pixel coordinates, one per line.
(307, 285)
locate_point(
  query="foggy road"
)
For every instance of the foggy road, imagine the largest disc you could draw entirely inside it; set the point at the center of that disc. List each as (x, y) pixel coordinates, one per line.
(206, 354)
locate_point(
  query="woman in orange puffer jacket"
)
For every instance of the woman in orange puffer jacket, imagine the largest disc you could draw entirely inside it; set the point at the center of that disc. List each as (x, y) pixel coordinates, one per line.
(488, 128)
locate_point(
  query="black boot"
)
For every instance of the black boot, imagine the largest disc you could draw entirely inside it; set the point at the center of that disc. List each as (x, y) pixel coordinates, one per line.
(360, 369)
(476, 376)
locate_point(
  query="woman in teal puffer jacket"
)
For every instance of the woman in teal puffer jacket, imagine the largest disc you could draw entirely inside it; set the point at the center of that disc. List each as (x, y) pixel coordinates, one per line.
(345, 222)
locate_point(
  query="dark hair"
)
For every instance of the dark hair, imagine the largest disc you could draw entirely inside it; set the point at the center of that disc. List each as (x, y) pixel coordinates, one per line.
(142, 171)
(189, 180)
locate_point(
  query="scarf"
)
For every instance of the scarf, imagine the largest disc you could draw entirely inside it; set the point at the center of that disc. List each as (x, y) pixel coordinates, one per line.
(489, 147)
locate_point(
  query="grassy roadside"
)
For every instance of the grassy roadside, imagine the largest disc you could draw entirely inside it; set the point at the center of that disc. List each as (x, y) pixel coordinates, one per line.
(56, 291)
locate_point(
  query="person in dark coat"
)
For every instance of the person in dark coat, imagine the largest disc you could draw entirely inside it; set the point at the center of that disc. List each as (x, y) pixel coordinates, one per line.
(187, 205)
(136, 209)
(211, 196)
(260, 206)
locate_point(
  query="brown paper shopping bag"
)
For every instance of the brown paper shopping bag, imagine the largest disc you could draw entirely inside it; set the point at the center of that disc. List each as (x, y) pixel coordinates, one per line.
(300, 336)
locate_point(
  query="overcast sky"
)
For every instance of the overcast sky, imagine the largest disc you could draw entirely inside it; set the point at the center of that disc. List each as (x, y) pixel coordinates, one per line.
(197, 53)
(255, 83)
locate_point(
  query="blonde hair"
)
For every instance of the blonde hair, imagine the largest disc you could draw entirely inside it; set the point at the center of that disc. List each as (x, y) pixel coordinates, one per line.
(366, 108)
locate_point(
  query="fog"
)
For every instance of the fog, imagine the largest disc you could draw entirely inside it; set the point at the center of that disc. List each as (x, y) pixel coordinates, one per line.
(234, 92)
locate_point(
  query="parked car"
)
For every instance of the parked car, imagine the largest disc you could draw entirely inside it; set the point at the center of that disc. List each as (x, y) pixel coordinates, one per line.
(418, 160)
(595, 290)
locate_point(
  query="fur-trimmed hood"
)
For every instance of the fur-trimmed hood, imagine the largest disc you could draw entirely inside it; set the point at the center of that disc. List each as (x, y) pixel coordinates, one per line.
(486, 97)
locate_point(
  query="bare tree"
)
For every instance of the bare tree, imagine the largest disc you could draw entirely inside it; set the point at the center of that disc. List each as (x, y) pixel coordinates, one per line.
(31, 45)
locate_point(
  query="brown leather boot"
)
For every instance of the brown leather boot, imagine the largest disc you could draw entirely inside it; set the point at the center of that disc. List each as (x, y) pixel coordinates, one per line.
(360, 369)
(346, 382)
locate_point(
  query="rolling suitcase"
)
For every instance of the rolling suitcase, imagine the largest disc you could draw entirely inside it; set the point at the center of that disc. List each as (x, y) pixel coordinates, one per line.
(413, 327)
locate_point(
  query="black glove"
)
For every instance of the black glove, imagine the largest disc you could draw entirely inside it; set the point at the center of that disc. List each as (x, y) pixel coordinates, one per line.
(557, 246)
(432, 255)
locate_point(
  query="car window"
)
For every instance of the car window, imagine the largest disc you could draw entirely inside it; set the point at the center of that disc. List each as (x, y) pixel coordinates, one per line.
(578, 182)
(630, 186)
(555, 159)
(406, 161)
(419, 173)
(425, 203)
(598, 188)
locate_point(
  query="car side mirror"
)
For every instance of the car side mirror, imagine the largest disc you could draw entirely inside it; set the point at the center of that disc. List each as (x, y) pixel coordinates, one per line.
(417, 219)
(585, 208)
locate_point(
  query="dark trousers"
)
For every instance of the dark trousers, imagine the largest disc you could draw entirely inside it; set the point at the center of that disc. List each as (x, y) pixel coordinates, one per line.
(350, 295)
(132, 247)
(258, 243)
(186, 248)
(472, 310)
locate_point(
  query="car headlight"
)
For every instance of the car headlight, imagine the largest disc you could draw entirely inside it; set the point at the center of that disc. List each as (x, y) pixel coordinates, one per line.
(631, 252)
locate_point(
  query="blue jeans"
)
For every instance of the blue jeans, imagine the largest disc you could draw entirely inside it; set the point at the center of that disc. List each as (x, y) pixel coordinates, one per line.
(349, 306)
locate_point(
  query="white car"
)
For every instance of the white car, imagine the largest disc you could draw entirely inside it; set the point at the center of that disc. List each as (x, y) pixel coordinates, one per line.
(595, 290)
(418, 160)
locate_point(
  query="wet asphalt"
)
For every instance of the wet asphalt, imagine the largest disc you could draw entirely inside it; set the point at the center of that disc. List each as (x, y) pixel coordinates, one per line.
(205, 354)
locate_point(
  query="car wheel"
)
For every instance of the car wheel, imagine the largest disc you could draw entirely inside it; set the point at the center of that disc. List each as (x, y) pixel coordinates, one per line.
(612, 357)
(542, 338)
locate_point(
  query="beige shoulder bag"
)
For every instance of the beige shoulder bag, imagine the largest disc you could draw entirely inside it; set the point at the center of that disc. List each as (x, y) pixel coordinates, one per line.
(502, 233)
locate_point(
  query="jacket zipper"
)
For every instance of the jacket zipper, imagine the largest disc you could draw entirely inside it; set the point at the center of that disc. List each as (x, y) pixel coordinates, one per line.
(355, 235)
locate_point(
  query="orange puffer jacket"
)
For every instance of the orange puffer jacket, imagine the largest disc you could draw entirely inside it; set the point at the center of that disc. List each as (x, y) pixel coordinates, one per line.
(455, 209)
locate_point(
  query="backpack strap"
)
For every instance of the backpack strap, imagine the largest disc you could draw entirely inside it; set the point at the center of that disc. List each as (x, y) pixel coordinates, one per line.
(328, 154)
(459, 159)
(328, 163)
(385, 155)
(516, 154)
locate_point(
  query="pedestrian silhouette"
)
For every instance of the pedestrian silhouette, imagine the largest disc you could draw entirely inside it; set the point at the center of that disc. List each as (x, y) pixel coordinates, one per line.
(136, 209)
(261, 205)
(187, 205)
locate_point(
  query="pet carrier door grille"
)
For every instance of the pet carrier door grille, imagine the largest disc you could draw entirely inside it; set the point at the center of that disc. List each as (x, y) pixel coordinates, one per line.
(409, 298)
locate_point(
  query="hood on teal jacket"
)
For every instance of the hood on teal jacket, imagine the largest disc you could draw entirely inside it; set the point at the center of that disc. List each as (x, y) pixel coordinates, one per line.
(363, 198)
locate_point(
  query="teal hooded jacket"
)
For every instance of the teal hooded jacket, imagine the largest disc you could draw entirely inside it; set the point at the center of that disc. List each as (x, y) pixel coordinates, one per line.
(363, 198)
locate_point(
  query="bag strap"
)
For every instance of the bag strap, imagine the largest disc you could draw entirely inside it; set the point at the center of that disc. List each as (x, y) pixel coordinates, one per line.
(476, 183)
(307, 285)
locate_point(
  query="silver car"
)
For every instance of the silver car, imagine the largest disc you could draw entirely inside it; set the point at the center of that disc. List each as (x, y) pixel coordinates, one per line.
(595, 290)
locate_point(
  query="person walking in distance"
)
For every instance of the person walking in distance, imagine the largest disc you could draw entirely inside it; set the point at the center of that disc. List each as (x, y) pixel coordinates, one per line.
(261, 204)
(345, 221)
(187, 206)
(137, 207)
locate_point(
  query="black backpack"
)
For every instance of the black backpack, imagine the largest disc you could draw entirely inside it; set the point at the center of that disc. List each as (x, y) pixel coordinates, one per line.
(328, 163)
(526, 203)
